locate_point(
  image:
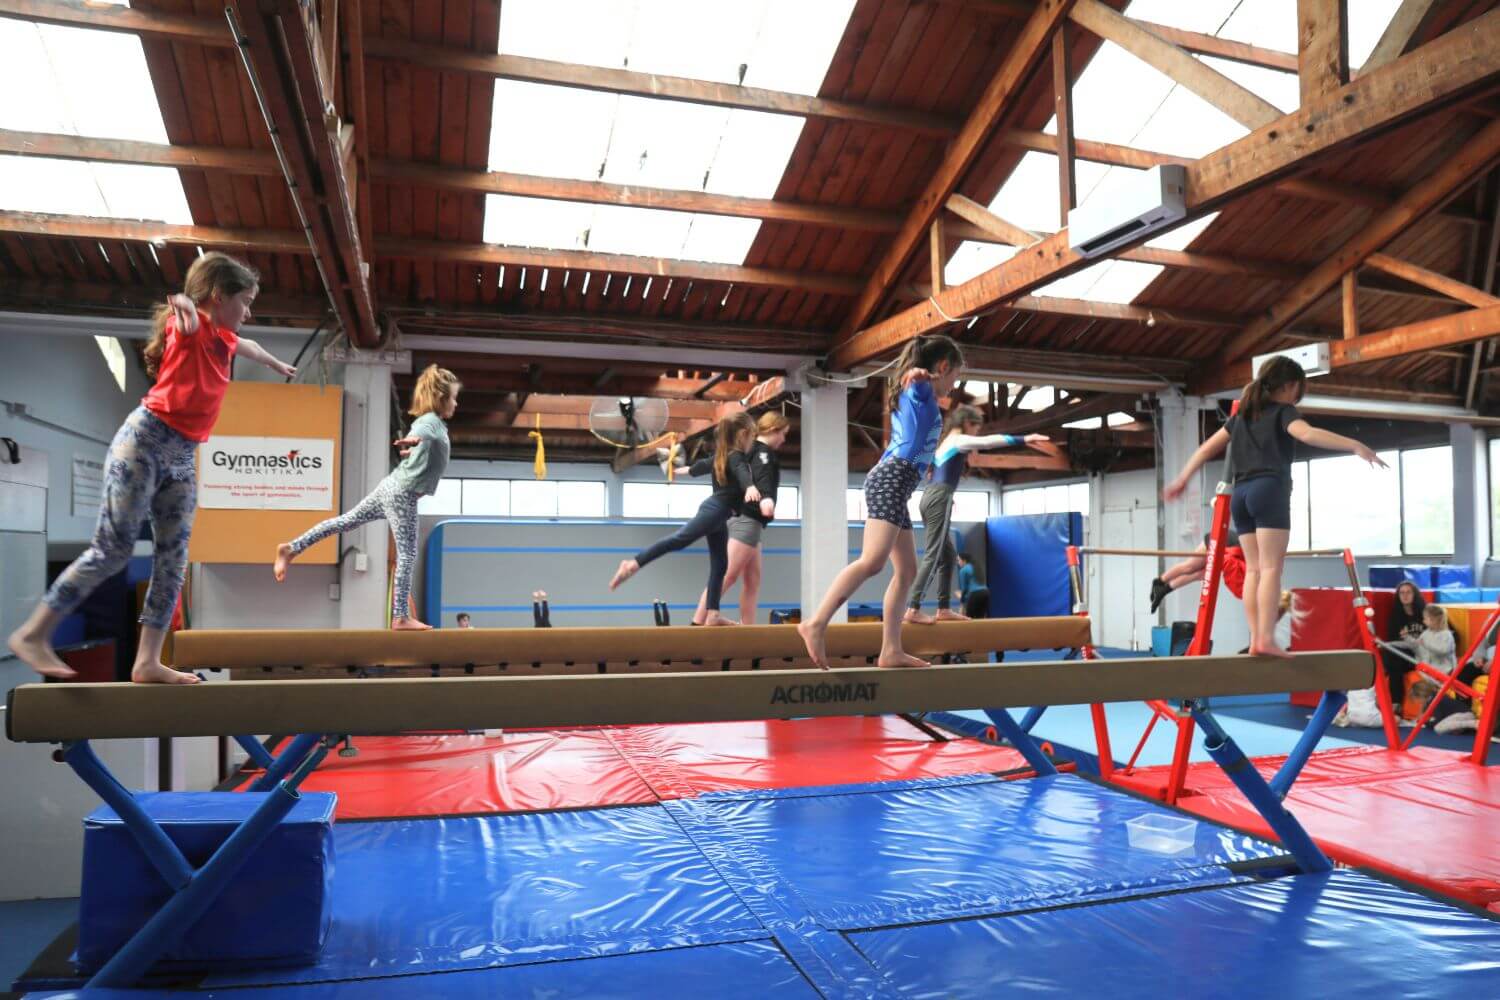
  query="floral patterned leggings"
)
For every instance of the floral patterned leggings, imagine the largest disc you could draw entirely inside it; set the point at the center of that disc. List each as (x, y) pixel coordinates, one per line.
(398, 505)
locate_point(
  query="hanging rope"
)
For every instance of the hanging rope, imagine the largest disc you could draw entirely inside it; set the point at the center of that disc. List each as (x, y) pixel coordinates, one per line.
(540, 465)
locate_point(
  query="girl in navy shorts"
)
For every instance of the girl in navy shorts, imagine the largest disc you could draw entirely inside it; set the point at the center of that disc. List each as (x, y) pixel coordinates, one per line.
(926, 371)
(1260, 438)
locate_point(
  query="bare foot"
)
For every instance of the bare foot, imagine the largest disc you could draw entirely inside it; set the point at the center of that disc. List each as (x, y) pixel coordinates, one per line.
(714, 618)
(156, 673)
(916, 617)
(284, 557)
(37, 653)
(1269, 649)
(815, 637)
(949, 615)
(628, 568)
(409, 625)
(900, 659)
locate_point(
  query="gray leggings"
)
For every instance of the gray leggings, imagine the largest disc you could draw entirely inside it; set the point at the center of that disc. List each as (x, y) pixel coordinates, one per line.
(939, 554)
(398, 505)
(148, 473)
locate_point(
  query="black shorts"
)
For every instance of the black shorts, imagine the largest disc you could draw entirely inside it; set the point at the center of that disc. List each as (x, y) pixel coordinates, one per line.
(1261, 502)
(888, 489)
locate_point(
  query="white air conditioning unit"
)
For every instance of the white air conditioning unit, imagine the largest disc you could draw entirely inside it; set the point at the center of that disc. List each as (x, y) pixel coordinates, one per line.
(1314, 358)
(1149, 202)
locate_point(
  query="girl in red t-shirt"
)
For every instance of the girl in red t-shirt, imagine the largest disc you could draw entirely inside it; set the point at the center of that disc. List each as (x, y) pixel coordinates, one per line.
(149, 470)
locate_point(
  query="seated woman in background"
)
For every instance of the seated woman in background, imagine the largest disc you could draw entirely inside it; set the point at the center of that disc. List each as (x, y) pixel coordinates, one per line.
(1403, 626)
(1457, 714)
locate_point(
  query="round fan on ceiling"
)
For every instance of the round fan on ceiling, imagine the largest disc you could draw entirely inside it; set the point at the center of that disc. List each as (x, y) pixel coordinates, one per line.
(628, 421)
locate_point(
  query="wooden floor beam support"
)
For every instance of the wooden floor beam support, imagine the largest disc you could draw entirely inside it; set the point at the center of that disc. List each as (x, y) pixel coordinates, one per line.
(40, 713)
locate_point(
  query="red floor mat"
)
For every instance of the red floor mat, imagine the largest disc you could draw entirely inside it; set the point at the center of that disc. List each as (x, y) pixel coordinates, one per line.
(1428, 816)
(445, 775)
(450, 775)
(681, 761)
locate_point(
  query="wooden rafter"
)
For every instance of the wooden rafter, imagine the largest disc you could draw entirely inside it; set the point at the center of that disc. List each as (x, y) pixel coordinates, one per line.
(1399, 31)
(1440, 283)
(1062, 110)
(1223, 48)
(1322, 47)
(1350, 303)
(1439, 73)
(999, 97)
(279, 50)
(1456, 172)
(1245, 107)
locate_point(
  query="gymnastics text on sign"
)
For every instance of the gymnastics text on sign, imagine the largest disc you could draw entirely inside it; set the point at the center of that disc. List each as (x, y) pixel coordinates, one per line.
(823, 694)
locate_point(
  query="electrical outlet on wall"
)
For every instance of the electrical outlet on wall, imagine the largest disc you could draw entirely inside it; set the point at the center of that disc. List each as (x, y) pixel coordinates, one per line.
(334, 591)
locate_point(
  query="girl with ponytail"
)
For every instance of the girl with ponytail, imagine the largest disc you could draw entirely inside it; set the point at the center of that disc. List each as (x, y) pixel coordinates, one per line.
(150, 472)
(926, 371)
(734, 485)
(1261, 438)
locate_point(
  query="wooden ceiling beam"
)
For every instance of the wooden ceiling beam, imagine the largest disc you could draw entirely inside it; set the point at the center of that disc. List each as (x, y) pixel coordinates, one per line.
(1399, 31)
(1249, 109)
(1442, 72)
(582, 384)
(1000, 95)
(1440, 283)
(1458, 171)
(1222, 48)
(279, 51)
(1322, 47)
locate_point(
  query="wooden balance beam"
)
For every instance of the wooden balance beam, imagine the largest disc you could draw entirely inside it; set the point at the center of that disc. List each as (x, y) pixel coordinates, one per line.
(64, 712)
(744, 645)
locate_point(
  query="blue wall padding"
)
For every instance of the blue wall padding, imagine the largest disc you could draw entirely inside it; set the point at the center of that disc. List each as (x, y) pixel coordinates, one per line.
(1028, 564)
(1459, 595)
(1308, 936)
(1453, 575)
(441, 895)
(874, 855)
(1427, 576)
(749, 970)
(275, 910)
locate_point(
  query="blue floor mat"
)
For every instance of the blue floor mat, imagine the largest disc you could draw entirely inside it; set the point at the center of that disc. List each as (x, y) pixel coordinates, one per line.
(874, 855)
(441, 895)
(1310, 936)
(749, 970)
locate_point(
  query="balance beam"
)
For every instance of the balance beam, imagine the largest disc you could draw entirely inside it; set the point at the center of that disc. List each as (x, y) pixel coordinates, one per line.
(41, 713)
(744, 644)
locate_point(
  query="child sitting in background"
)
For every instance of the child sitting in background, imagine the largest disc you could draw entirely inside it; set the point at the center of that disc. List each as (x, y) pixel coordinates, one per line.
(1434, 647)
(1457, 714)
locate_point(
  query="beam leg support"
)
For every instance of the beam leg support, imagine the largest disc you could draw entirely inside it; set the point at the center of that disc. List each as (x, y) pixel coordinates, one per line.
(1232, 760)
(295, 753)
(1328, 708)
(259, 755)
(1011, 732)
(158, 848)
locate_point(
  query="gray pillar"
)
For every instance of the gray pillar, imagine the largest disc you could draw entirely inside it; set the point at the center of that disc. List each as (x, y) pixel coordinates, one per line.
(825, 474)
(367, 457)
(1471, 500)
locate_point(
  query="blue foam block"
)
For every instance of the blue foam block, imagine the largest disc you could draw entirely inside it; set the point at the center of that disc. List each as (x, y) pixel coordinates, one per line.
(444, 895)
(875, 855)
(274, 911)
(1313, 936)
(1161, 640)
(1391, 576)
(1447, 575)
(1027, 564)
(1458, 595)
(750, 970)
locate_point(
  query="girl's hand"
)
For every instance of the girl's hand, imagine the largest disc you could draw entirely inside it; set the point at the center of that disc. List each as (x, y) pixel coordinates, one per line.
(1174, 489)
(406, 444)
(185, 310)
(752, 495)
(768, 508)
(1368, 455)
(916, 375)
(1035, 439)
(282, 368)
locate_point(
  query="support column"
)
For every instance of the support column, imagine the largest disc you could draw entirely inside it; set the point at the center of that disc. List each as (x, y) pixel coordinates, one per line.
(367, 458)
(1181, 524)
(1471, 508)
(825, 476)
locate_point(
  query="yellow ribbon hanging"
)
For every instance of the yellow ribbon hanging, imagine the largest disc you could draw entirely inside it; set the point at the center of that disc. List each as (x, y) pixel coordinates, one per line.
(673, 447)
(540, 465)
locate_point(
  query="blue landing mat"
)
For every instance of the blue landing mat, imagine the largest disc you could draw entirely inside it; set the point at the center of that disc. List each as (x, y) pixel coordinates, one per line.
(751, 970)
(875, 855)
(1313, 936)
(442, 895)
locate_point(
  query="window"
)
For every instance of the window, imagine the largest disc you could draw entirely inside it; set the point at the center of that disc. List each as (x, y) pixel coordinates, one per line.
(1301, 516)
(1355, 506)
(675, 501)
(971, 505)
(788, 503)
(514, 498)
(1427, 501)
(1064, 498)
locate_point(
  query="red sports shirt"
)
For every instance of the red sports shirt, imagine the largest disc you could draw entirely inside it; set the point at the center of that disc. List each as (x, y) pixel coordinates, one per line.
(193, 378)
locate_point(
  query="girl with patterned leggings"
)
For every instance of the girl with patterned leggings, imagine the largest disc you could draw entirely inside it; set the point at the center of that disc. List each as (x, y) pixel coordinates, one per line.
(425, 450)
(149, 472)
(927, 370)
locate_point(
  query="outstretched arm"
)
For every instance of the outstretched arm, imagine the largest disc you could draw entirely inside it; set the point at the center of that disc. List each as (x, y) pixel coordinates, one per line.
(250, 349)
(1316, 437)
(983, 442)
(1211, 448)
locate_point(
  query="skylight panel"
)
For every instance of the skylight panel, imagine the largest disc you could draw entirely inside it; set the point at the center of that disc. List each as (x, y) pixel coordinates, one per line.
(973, 259)
(537, 222)
(773, 44)
(1118, 281)
(89, 83)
